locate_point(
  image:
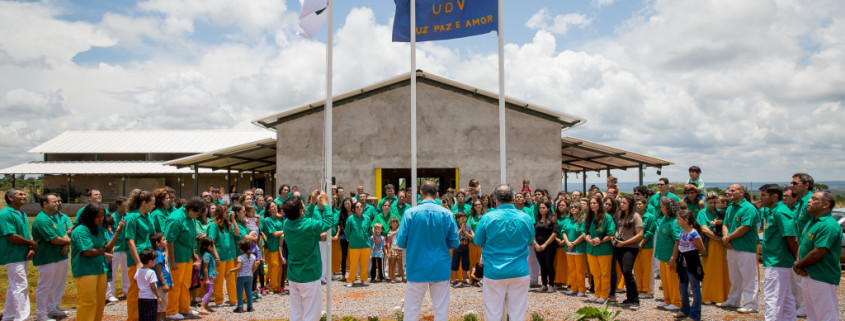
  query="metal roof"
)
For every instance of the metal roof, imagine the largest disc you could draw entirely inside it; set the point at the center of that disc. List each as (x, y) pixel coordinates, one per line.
(565, 120)
(580, 155)
(258, 155)
(99, 167)
(147, 141)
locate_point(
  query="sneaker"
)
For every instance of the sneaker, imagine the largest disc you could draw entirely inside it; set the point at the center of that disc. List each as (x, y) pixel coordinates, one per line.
(800, 312)
(551, 290)
(671, 307)
(634, 307)
(112, 299)
(250, 309)
(238, 310)
(544, 288)
(56, 314)
(601, 301)
(680, 315)
(611, 298)
(193, 312)
(365, 284)
(580, 295)
(726, 304)
(662, 305)
(177, 316)
(570, 292)
(646, 295)
(746, 309)
(591, 298)
(348, 285)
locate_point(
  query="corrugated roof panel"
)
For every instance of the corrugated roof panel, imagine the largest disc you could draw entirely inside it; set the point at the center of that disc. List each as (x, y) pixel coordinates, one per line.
(153, 141)
(99, 167)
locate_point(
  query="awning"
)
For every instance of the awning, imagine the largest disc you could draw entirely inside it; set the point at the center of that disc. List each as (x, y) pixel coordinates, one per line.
(578, 155)
(99, 168)
(259, 156)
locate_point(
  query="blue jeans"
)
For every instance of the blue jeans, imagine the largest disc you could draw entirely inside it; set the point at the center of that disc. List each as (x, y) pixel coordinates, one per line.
(244, 290)
(694, 284)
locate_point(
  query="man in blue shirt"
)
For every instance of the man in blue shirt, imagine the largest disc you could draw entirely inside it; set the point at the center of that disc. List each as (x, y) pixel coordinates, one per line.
(427, 233)
(504, 236)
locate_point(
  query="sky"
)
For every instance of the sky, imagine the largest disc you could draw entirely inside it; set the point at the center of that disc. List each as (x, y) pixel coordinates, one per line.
(747, 90)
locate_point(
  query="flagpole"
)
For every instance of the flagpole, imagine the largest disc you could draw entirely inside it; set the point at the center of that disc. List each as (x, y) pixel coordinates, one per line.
(413, 103)
(502, 151)
(328, 143)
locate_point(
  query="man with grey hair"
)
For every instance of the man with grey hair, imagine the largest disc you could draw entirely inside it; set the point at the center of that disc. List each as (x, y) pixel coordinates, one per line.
(819, 255)
(741, 239)
(427, 233)
(17, 247)
(504, 236)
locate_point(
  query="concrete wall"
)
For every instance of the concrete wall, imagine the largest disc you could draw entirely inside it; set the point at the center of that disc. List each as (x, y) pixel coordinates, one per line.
(454, 131)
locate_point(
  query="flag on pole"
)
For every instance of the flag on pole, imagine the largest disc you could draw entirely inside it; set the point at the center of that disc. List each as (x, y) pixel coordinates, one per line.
(312, 17)
(445, 19)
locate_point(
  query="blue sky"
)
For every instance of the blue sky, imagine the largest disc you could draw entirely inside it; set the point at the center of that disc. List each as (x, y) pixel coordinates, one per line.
(750, 89)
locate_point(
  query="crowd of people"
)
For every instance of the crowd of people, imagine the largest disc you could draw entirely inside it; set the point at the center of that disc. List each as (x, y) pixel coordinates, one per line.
(173, 257)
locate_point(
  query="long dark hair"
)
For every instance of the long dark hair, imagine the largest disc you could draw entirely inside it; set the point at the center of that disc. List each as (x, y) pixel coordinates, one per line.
(689, 216)
(625, 214)
(344, 214)
(221, 215)
(205, 243)
(88, 217)
(599, 216)
(549, 217)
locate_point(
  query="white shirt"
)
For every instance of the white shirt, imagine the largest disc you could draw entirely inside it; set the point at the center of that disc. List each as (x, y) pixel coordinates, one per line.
(145, 277)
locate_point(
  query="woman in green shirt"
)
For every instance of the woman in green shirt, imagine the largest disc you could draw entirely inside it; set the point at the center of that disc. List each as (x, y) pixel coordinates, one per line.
(139, 227)
(358, 233)
(88, 261)
(162, 209)
(598, 231)
(572, 239)
(475, 214)
(223, 233)
(271, 227)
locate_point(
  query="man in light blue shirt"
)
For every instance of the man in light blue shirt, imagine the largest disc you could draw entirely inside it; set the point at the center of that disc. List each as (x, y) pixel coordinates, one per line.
(504, 236)
(427, 232)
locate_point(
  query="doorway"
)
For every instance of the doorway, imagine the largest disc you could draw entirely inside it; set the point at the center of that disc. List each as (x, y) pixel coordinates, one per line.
(444, 178)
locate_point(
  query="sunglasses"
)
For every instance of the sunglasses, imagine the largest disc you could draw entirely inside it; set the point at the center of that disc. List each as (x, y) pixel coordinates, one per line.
(796, 183)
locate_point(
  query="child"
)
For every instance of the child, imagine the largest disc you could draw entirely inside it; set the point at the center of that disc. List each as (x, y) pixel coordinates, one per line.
(148, 298)
(207, 272)
(245, 267)
(611, 183)
(526, 186)
(162, 270)
(688, 265)
(377, 250)
(108, 225)
(258, 275)
(477, 274)
(460, 256)
(397, 254)
(695, 179)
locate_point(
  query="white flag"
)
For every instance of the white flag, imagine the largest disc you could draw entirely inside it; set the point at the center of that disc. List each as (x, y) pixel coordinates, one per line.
(312, 17)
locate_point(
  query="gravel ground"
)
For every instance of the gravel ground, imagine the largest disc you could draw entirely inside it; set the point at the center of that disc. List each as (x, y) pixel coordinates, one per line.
(381, 298)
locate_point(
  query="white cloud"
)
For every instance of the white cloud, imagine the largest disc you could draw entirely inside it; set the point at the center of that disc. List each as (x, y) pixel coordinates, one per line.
(559, 24)
(601, 3)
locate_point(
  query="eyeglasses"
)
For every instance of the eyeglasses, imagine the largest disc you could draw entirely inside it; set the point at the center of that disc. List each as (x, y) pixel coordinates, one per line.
(660, 184)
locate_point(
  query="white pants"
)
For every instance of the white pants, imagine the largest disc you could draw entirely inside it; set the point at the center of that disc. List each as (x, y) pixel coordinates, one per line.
(777, 295)
(17, 295)
(327, 272)
(119, 262)
(533, 266)
(415, 292)
(509, 295)
(819, 300)
(305, 300)
(50, 280)
(742, 269)
(795, 282)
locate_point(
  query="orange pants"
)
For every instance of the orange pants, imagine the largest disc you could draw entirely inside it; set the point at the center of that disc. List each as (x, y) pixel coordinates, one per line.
(179, 298)
(600, 269)
(230, 282)
(90, 303)
(577, 265)
(274, 270)
(561, 269)
(669, 279)
(131, 296)
(356, 257)
(642, 270)
(715, 266)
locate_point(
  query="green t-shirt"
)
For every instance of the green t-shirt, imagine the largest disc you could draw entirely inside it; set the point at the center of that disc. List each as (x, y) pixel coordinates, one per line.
(649, 228)
(81, 240)
(654, 201)
(182, 233)
(384, 220)
(303, 236)
(159, 219)
(573, 231)
(201, 228)
(269, 226)
(45, 228)
(358, 231)
(779, 225)
(605, 228)
(224, 241)
(801, 214)
(743, 214)
(13, 222)
(823, 232)
(465, 208)
(120, 246)
(666, 236)
(138, 228)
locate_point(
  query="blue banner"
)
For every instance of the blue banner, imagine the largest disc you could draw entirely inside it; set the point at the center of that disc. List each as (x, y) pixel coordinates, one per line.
(445, 19)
